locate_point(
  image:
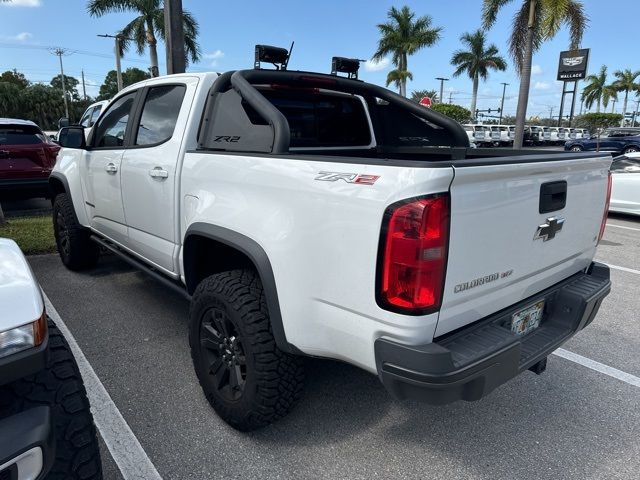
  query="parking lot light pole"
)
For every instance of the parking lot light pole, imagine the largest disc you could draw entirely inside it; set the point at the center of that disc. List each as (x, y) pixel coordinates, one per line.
(504, 89)
(442, 80)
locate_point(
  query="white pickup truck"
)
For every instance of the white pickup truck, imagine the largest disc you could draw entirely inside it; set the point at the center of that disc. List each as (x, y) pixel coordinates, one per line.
(311, 214)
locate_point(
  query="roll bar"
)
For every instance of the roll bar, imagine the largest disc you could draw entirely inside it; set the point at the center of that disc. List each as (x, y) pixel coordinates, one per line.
(243, 81)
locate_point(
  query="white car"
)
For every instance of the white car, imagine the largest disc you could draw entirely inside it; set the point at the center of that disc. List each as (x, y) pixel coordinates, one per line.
(88, 118)
(625, 189)
(45, 421)
(312, 214)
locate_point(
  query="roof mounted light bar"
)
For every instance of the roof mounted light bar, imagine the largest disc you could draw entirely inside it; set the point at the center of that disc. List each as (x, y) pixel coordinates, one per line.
(350, 66)
(277, 56)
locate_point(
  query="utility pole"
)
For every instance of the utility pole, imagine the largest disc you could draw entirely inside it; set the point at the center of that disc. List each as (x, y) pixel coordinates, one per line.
(59, 52)
(118, 38)
(504, 89)
(174, 36)
(84, 89)
(551, 112)
(450, 95)
(442, 80)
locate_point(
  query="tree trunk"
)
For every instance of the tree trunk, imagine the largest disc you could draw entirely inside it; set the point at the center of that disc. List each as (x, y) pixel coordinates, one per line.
(153, 52)
(598, 110)
(525, 80)
(624, 107)
(403, 80)
(474, 98)
(2, 220)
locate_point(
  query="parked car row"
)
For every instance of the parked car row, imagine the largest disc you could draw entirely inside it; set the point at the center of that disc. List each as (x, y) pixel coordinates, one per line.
(616, 140)
(503, 135)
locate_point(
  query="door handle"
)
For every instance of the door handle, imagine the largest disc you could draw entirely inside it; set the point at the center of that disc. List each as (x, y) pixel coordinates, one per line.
(158, 172)
(111, 168)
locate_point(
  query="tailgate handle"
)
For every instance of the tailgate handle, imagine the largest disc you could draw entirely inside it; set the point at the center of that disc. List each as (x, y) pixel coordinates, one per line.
(553, 196)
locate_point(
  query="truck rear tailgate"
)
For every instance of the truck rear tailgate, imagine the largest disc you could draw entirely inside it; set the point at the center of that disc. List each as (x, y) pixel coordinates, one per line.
(497, 255)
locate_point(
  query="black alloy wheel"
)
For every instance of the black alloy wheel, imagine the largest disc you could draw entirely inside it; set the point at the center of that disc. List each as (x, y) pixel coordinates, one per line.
(223, 352)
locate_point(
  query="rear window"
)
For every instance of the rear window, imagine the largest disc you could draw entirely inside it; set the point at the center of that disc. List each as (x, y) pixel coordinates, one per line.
(20, 135)
(321, 120)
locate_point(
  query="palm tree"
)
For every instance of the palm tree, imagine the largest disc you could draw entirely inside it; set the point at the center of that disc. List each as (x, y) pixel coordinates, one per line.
(399, 79)
(402, 36)
(626, 82)
(609, 92)
(535, 22)
(147, 27)
(594, 90)
(476, 61)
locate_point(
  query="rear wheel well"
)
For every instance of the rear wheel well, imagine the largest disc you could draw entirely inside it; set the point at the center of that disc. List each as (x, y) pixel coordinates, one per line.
(205, 256)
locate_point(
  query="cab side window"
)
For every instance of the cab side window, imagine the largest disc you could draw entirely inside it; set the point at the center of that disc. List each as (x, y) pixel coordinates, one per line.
(110, 131)
(159, 114)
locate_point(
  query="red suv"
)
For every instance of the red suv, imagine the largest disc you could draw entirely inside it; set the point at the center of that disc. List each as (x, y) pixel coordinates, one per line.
(26, 158)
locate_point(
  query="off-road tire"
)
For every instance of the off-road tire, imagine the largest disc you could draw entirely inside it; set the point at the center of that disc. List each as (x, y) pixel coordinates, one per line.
(273, 379)
(76, 249)
(59, 386)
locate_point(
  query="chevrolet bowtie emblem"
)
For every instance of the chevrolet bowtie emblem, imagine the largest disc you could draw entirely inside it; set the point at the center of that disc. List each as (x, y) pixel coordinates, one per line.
(548, 230)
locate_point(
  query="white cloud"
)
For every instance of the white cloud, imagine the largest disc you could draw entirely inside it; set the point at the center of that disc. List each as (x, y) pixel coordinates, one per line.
(541, 86)
(22, 3)
(373, 66)
(536, 70)
(214, 57)
(21, 37)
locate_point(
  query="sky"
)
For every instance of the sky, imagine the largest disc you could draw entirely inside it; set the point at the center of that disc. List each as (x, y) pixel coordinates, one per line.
(320, 29)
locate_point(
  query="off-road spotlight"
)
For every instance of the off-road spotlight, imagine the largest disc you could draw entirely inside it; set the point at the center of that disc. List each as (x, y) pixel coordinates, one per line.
(350, 66)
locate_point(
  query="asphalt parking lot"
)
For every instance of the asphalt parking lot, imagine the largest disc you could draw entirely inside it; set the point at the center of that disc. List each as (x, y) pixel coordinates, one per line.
(570, 422)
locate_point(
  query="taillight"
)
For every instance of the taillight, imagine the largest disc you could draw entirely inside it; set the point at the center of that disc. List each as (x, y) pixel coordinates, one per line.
(414, 242)
(606, 209)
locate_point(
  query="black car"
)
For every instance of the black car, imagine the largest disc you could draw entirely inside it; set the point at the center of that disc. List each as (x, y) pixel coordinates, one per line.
(619, 140)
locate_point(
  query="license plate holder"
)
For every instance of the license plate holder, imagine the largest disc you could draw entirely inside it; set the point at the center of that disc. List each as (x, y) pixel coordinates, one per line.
(527, 319)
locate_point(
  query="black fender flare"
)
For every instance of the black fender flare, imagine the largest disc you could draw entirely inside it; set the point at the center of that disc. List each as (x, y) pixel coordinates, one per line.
(62, 179)
(260, 260)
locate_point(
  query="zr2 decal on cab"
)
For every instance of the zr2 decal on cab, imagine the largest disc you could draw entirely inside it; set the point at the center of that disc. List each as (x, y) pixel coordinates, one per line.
(358, 178)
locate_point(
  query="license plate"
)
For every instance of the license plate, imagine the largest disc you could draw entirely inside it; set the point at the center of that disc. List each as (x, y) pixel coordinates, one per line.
(528, 319)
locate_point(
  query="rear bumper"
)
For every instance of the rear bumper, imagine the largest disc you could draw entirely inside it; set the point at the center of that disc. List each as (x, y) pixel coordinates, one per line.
(25, 187)
(27, 445)
(471, 362)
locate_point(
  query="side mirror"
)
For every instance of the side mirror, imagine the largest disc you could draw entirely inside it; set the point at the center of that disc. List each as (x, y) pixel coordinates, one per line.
(72, 137)
(63, 122)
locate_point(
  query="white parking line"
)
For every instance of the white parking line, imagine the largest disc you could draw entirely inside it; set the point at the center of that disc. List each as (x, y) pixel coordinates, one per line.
(622, 226)
(598, 367)
(123, 445)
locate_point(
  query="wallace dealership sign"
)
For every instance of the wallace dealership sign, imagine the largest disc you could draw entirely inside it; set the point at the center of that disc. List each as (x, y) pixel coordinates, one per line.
(573, 65)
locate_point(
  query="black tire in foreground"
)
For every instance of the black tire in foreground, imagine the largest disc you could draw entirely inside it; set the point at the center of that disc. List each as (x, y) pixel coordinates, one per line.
(59, 386)
(631, 149)
(246, 378)
(76, 249)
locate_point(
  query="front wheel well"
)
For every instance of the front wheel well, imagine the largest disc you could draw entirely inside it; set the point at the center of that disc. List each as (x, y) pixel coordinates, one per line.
(56, 187)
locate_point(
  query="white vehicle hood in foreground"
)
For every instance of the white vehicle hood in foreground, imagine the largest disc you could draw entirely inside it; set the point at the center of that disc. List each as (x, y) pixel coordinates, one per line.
(20, 296)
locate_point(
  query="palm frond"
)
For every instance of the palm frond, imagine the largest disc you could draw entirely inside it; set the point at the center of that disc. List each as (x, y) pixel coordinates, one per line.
(490, 9)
